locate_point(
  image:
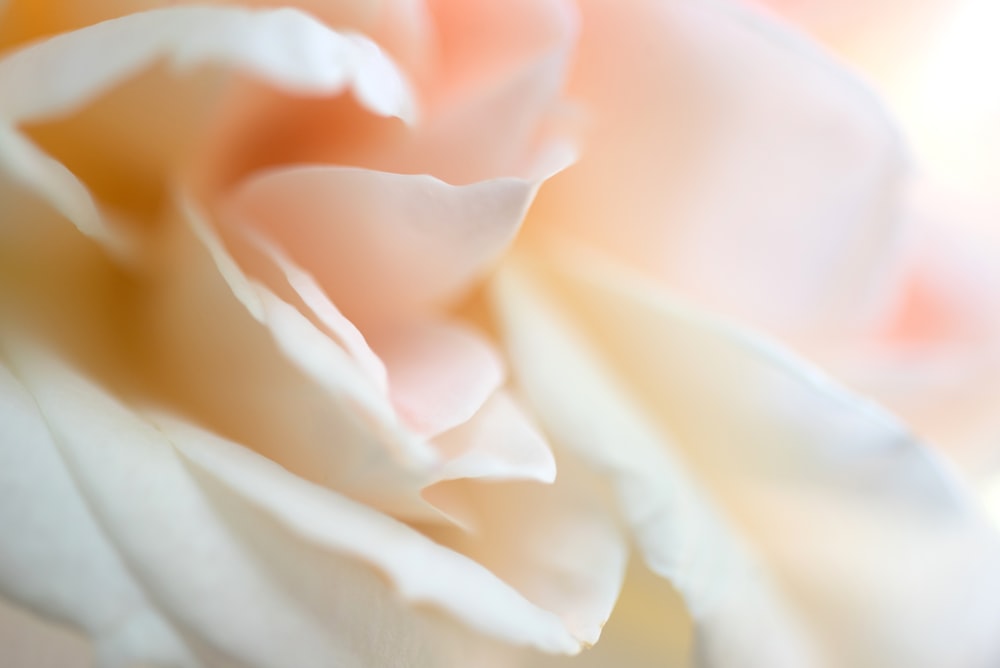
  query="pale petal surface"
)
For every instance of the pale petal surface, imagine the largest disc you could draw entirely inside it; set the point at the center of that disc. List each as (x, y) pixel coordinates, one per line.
(836, 499)
(723, 155)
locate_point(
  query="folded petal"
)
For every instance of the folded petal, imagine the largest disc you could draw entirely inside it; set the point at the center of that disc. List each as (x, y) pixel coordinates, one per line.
(680, 532)
(560, 544)
(229, 351)
(421, 570)
(383, 246)
(241, 587)
(440, 373)
(784, 451)
(498, 443)
(56, 557)
(62, 74)
(725, 155)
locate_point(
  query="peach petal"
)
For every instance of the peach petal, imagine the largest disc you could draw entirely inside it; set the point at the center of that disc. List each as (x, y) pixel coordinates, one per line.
(503, 69)
(440, 373)
(314, 300)
(305, 401)
(59, 75)
(724, 155)
(382, 245)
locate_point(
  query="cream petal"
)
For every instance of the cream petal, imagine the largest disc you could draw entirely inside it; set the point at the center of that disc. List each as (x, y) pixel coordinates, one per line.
(382, 245)
(56, 557)
(725, 155)
(650, 628)
(440, 373)
(497, 443)
(680, 534)
(560, 544)
(239, 601)
(422, 571)
(839, 499)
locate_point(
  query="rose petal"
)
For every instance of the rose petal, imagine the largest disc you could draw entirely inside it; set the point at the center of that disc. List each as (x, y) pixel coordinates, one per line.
(311, 299)
(560, 545)
(500, 67)
(56, 558)
(420, 569)
(498, 443)
(440, 373)
(286, 47)
(680, 533)
(192, 551)
(725, 155)
(61, 74)
(303, 401)
(784, 451)
(411, 241)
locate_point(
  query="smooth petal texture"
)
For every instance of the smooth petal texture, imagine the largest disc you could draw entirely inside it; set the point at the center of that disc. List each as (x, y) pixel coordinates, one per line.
(784, 451)
(304, 401)
(56, 557)
(498, 67)
(440, 373)
(680, 534)
(286, 47)
(189, 551)
(60, 75)
(724, 155)
(560, 545)
(421, 570)
(498, 443)
(383, 246)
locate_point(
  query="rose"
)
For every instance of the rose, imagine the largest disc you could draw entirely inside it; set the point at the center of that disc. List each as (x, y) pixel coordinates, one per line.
(216, 227)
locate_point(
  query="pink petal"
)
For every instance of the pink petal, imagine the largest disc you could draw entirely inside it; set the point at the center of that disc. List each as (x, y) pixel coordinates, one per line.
(382, 245)
(732, 159)
(440, 374)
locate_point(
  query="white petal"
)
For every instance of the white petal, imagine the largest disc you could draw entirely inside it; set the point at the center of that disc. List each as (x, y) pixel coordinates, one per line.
(679, 532)
(879, 548)
(244, 588)
(286, 47)
(56, 557)
(498, 443)
(421, 570)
